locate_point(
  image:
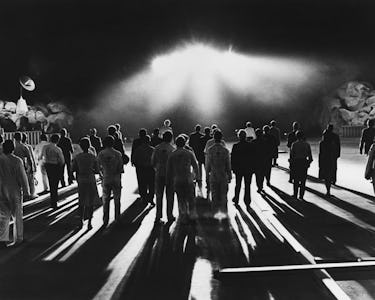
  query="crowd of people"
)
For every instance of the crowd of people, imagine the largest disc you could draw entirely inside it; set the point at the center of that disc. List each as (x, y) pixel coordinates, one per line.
(164, 164)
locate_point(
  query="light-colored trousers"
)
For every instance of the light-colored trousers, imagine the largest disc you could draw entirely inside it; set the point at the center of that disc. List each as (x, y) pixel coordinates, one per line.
(5, 216)
(109, 187)
(18, 220)
(185, 192)
(44, 176)
(219, 190)
(160, 185)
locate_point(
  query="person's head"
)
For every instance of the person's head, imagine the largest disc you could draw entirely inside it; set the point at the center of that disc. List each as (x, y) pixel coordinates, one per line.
(63, 132)
(295, 126)
(242, 135)
(24, 137)
(167, 136)
(8, 147)
(111, 130)
(142, 133)
(258, 133)
(207, 130)
(108, 141)
(198, 128)
(266, 129)
(371, 122)
(146, 139)
(213, 127)
(248, 124)
(180, 141)
(273, 123)
(93, 131)
(43, 137)
(300, 135)
(218, 136)
(85, 144)
(185, 136)
(55, 138)
(118, 126)
(156, 132)
(18, 136)
(167, 123)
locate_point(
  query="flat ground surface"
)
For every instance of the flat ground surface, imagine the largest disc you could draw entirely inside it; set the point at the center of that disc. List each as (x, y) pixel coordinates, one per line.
(137, 260)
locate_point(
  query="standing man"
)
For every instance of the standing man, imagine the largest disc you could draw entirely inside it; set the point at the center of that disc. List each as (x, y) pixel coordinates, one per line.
(155, 139)
(54, 162)
(219, 171)
(179, 174)
(31, 169)
(250, 132)
(159, 162)
(111, 165)
(196, 144)
(275, 132)
(292, 137)
(13, 188)
(118, 144)
(66, 146)
(41, 161)
(241, 165)
(367, 137)
(270, 149)
(137, 142)
(95, 141)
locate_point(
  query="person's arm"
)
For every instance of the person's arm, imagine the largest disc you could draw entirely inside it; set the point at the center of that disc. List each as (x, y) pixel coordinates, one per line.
(74, 165)
(369, 166)
(70, 146)
(61, 156)
(22, 178)
(194, 163)
(362, 142)
(309, 154)
(120, 165)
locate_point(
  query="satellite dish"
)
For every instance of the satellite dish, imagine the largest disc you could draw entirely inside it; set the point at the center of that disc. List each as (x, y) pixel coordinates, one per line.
(27, 83)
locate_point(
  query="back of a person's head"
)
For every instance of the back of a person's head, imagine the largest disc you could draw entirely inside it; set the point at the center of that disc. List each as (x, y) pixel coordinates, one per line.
(43, 137)
(242, 135)
(213, 127)
(248, 124)
(108, 141)
(93, 131)
(24, 137)
(330, 127)
(258, 132)
(371, 122)
(146, 139)
(300, 135)
(167, 123)
(8, 147)
(63, 132)
(273, 123)
(18, 136)
(197, 128)
(85, 144)
(266, 129)
(185, 136)
(55, 138)
(142, 133)
(218, 135)
(118, 126)
(295, 125)
(167, 136)
(180, 141)
(207, 130)
(156, 132)
(111, 129)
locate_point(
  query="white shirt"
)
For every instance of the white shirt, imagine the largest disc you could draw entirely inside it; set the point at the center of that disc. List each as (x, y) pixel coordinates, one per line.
(250, 133)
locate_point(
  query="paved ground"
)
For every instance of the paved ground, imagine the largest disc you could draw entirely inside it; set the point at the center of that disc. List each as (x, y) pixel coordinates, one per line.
(137, 260)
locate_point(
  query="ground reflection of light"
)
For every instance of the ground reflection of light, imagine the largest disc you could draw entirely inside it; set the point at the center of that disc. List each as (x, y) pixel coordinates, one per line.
(201, 286)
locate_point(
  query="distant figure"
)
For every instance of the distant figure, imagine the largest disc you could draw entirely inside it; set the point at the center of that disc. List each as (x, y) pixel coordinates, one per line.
(155, 138)
(291, 138)
(118, 129)
(13, 188)
(219, 171)
(329, 152)
(275, 132)
(65, 143)
(54, 162)
(145, 172)
(111, 166)
(159, 162)
(300, 160)
(270, 150)
(259, 167)
(195, 143)
(41, 161)
(137, 142)
(167, 126)
(95, 141)
(179, 174)
(31, 169)
(367, 137)
(85, 165)
(250, 132)
(118, 144)
(241, 159)
(201, 155)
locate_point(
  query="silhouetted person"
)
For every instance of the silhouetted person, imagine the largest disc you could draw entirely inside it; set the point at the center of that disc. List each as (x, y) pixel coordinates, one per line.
(137, 142)
(54, 162)
(66, 146)
(201, 155)
(118, 144)
(85, 165)
(367, 137)
(1, 144)
(250, 132)
(155, 138)
(179, 174)
(270, 149)
(275, 132)
(329, 152)
(111, 166)
(300, 160)
(13, 188)
(259, 158)
(370, 166)
(196, 144)
(145, 172)
(41, 161)
(167, 126)
(159, 162)
(31, 169)
(291, 138)
(95, 141)
(118, 130)
(241, 158)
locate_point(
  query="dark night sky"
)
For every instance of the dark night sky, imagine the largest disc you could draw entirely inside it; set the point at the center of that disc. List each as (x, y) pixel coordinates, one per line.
(72, 49)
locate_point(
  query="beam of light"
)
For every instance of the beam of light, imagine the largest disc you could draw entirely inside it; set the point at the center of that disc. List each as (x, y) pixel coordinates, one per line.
(200, 76)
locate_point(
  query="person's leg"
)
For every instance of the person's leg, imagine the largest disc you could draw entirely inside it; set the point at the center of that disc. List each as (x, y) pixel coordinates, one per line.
(69, 170)
(18, 220)
(268, 168)
(30, 179)
(62, 175)
(44, 177)
(259, 179)
(181, 201)
(247, 197)
(159, 191)
(295, 188)
(53, 173)
(142, 183)
(215, 196)
(169, 194)
(117, 199)
(302, 188)
(327, 183)
(151, 185)
(107, 188)
(237, 188)
(223, 196)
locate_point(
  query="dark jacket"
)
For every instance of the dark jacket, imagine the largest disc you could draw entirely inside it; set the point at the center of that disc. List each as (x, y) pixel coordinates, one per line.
(242, 156)
(65, 144)
(367, 138)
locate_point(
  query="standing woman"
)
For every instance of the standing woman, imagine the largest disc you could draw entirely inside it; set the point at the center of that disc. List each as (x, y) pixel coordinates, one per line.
(86, 166)
(329, 152)
(300, 160)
